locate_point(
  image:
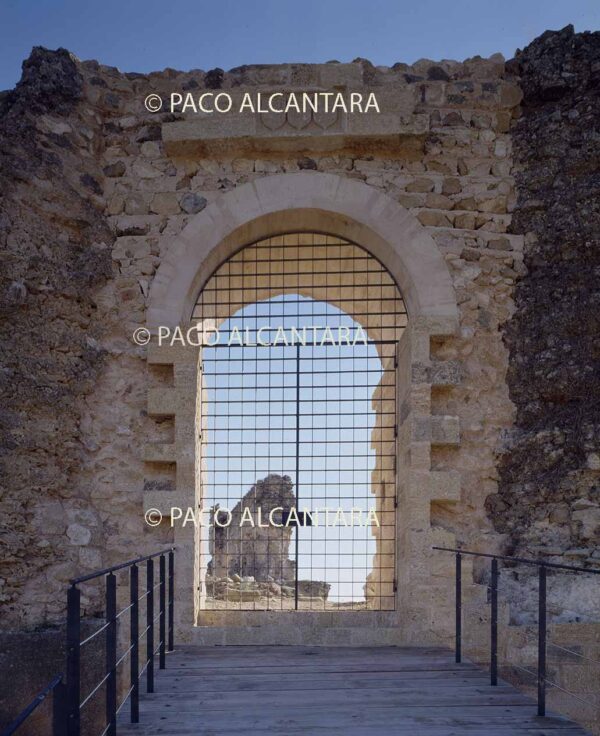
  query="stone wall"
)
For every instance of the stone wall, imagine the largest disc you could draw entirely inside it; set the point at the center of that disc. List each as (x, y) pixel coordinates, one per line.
(96, 189)
(56, 254)
(549, 495)
(444, 154)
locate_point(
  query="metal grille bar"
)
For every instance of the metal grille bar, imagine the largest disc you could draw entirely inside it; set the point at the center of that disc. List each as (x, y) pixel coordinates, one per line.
(306, 425)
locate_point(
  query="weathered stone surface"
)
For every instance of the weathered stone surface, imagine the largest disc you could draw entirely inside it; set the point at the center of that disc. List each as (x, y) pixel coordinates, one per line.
(165, 203)
(250, 550)
(419, 170)
(56, 257)
(548, 490)
(77, 418)
(193, 203)
(115, 170)
(312, 588)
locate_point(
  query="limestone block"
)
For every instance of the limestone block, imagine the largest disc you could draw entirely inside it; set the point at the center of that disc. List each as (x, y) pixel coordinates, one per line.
(162, 402)
(114, 170)
(464, 221)
(186, 469)
(437, 326)
(78, 535)
(510, 95)
(444, 485)
(145, 170)
(165, 203)
(135, 224)
(420, 455)
(445, 430)
(137, 204)
(165, 500)
(495, 205)
(154, 453)
(191, 203)
(169, 354)
(421, 185)
(438, 201)
(150, 149)
(438, 373)
(338, 75)
(116, 204)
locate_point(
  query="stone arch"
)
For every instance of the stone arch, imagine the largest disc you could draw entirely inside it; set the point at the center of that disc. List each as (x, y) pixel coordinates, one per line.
(331, 205)
(304, 201)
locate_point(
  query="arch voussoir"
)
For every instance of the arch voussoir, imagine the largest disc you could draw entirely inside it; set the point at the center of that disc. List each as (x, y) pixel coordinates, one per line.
(310, 201)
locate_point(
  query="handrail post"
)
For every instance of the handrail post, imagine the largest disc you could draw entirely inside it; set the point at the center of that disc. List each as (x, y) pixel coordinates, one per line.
(494, 625)
(542, 642)
(59, 710)
(134, 631)
(111, 654)
(458, 612)
(171, 599)
(73, 660)
(150, 625)
(162, 614)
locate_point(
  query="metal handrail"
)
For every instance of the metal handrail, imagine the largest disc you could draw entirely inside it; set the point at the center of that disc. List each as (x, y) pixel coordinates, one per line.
(121, 566)
(56, 687)
(524, 560)
(67, 702)
(164, 618)
(542, 637)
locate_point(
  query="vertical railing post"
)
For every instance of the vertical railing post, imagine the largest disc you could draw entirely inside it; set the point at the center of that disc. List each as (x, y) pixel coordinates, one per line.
(297, 489)
(162, 614)
(134, 636)
(73, 660)
(150, 625)
(458, 607)
(59, 710)
(494, 625)
(171, 599)
(542, 642)
(111, 654)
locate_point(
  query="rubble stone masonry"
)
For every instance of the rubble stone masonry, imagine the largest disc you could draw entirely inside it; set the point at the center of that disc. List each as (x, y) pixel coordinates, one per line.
(497, 161)
(549, 495)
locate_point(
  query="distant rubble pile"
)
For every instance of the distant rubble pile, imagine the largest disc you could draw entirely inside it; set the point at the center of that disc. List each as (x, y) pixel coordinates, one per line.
(247, 588)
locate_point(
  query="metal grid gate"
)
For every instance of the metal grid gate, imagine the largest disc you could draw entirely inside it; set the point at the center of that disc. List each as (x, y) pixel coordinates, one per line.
(297, 427)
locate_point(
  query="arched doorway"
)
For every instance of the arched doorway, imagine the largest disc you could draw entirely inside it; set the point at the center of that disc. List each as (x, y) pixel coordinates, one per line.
(311, 202)
(296, 465)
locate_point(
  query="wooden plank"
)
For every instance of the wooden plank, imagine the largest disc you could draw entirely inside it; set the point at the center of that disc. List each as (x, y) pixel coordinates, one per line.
(333, 724)
(311, 681)
(320, 666)
(284, 691)
(399, 730)
(410, 728)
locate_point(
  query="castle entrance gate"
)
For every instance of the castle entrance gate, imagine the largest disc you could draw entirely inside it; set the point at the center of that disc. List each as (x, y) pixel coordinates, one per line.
(297, 429)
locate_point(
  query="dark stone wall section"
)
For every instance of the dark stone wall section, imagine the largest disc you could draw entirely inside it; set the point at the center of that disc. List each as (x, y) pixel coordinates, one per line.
(549, 493)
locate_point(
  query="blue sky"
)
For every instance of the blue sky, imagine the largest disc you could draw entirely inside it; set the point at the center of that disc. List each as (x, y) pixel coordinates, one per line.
(147, 35)
(250, 403)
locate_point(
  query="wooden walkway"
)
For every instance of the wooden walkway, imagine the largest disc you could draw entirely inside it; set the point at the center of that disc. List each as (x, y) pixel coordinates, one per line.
(321, 690)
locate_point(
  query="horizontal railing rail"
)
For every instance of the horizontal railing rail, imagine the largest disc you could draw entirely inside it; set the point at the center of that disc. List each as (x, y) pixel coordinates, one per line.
(521, 560)
(542, 623)
(56, 687)
(159, 596)
(116, 568)
(165, 643)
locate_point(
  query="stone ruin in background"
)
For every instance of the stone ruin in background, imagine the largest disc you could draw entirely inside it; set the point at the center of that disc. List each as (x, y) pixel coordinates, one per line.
(249, 562)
